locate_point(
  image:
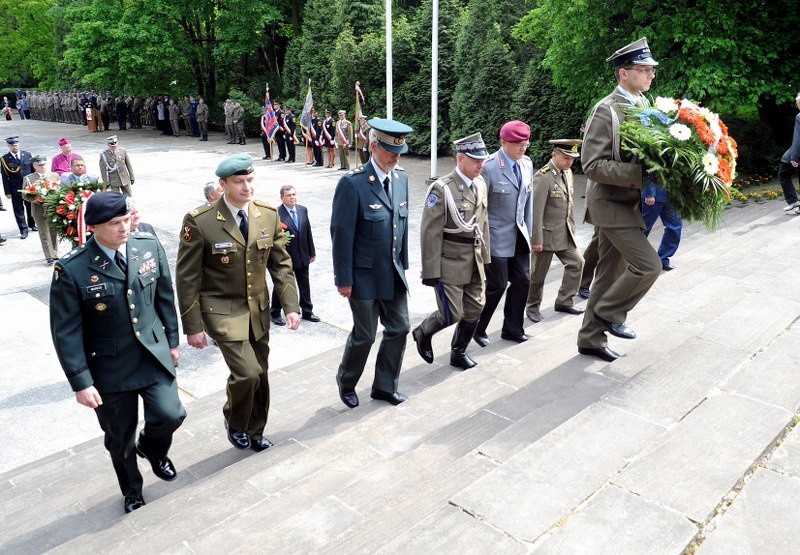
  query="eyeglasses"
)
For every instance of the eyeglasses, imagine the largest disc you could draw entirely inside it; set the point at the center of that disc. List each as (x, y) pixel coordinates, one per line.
(649, 71)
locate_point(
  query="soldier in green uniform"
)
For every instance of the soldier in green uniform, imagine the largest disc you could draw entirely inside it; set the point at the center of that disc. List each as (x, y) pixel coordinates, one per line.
(115, 330)
(229, 131)
(454, 236)
(237, 117)
(343, 140)
(362, 141)
(226, 248)
(202, 118)
(554, 230)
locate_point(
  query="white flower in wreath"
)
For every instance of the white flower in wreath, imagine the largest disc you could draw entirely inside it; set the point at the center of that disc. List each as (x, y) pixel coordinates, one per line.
(710, 164)
(666, 105)
(680, 131)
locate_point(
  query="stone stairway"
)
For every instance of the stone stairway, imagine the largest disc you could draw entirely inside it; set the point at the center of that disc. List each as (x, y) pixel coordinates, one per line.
(537, 449)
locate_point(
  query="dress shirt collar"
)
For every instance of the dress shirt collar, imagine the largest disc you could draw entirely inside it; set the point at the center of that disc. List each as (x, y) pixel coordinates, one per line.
(235, 211)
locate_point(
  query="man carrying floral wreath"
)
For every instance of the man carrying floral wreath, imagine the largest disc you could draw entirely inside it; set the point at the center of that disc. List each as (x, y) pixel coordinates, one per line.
(628, 265)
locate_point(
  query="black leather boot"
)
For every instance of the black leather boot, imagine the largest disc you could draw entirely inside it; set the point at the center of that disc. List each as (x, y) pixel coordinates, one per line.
(458, 348)
(422, 335)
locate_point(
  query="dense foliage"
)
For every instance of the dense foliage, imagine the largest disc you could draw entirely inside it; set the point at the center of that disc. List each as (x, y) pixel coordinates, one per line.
(542, 61)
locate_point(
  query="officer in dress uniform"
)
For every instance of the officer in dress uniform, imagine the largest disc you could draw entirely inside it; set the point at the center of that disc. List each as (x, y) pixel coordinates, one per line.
(289, 127)
(115, 331)
(362, 141)
(14, 165)
(115, 167)
(279, 136)
(627, 266)
(225, 251)
(454, 238)
(369, 232)
(315, 131)
(47, 236)
(554, 230)
(343, 139)
(228, 111)
(329, 137)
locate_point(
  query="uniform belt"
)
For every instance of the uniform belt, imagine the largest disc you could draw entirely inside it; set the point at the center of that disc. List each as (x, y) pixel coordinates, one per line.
(465, 240)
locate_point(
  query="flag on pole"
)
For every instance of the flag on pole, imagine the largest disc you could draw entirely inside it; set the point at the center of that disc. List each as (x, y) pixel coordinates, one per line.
(269, 121)
(305, 116)
(360, 95)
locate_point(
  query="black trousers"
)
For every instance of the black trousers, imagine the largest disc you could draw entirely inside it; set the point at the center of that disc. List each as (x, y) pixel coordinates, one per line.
(510, 276)
(20, 215)
(118, 416)
(303, 287)
(280, 139)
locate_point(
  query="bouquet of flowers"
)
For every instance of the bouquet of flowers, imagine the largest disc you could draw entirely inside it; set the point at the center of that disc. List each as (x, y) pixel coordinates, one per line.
(686, 150)
(38, 191)
(63, 208)
(287, 235)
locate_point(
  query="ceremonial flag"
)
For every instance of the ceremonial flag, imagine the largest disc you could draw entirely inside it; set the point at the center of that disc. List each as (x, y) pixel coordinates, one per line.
(358, 102)
(305, 116)
(269, 122)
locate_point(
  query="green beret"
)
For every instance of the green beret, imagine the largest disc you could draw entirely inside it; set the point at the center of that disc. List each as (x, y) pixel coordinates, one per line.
(104, 206)
(239, 164)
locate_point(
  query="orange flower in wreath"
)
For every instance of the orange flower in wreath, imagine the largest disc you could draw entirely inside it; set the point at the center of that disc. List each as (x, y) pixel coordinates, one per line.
(725, 173)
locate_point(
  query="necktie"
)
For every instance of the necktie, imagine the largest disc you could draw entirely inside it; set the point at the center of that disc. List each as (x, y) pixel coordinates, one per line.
(517, 173)
(386, 188)
(294, 217)
(243, 227)
(121, 262)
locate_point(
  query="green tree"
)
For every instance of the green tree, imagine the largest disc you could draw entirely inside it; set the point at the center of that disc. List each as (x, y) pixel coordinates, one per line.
(28, 41)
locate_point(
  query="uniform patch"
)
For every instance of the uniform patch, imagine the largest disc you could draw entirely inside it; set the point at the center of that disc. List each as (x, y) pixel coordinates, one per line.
(432, 200)
(96, 288)
(225, 260)
(187, 233)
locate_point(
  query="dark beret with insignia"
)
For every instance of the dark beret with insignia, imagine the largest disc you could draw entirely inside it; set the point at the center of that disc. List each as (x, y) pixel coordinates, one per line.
(105, 206)
(238, 164)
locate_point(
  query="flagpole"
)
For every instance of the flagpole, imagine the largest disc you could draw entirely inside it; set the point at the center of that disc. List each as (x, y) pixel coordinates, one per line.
(434, 89)
(355, 122)
(269, 139)
(389, 100)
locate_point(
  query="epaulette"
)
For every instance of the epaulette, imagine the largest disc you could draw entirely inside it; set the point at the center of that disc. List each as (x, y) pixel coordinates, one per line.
(492, 156)
(399, 168)
(359, 169)
(142, 234)
(264, 204)
(72, 255)
(545, 168)
(201, 210)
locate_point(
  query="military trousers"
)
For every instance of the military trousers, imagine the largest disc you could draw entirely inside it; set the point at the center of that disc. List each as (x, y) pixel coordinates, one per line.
(393, 315)
(589, 262)
(627, 268)
(48, 237)
(118, 417)
(344, 157)
(540, 263)
(175, 129)
(247, 406)
(460, 302)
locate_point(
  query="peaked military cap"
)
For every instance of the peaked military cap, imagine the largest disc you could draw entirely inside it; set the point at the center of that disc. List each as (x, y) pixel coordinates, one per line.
(635, 53)
(112, 140)
(13, 140)
(472, 146)
(38, 159)
(391, 134)
(238, 164)
(342, 112)
(567, 146)
(104, 206)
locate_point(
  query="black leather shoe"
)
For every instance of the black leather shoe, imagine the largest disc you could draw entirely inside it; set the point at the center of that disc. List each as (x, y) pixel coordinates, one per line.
(349, 398)
(603, 353)
(260, 444)
(517, 338)
(481, 339)
(3, 240)
(311, 317)
(568, 309)
(667, 267)
(162, 468)
(133, 502)
(534, 316)
(240, 440)
(33, 228)
(424, 347)
(619, 330)
(23, 234)
(393, 398)
(2, 208)
(583, 292)
(278, 321)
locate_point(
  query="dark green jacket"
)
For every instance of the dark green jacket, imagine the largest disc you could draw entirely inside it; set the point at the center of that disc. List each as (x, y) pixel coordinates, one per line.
(110, 330)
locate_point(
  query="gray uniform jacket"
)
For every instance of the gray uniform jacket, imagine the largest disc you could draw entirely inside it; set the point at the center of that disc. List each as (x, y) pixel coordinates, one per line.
(510, 203)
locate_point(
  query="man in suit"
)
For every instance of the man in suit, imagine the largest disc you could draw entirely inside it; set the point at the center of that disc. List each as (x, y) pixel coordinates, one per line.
(343, 139)
(790, 162)
(115, 330)
(627, 264)
(655, 204)
(225, 251)
(300, 246)
(454, 239)
(116, 168)
(14, 165)
(369, 232)
(78, 173)
(554, 230)
(508, 174)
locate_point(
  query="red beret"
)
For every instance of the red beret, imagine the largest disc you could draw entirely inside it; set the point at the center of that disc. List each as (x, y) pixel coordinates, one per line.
(515, 131)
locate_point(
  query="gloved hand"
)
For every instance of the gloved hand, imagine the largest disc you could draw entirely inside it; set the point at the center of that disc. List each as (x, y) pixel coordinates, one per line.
(430, 282)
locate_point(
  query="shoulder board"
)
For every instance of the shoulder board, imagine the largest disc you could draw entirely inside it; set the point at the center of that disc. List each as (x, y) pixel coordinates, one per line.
(264, 204)
(545, 168)
(72, 255)
(399, 168)
(359, 169)
(201, 210)
(142, 234)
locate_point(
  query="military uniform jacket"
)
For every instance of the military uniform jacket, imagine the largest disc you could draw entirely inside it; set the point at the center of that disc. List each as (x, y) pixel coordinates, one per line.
(221, 276)
(362, 137)
(13, 170)
(509, 203)
(115, 168)
(553, 204)
(344, 133)
(202, 112)
(237, 115)
(370, 233)
(228, 114)
(614, 180)
(113, 330)
(329, 133)
(447, 260)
